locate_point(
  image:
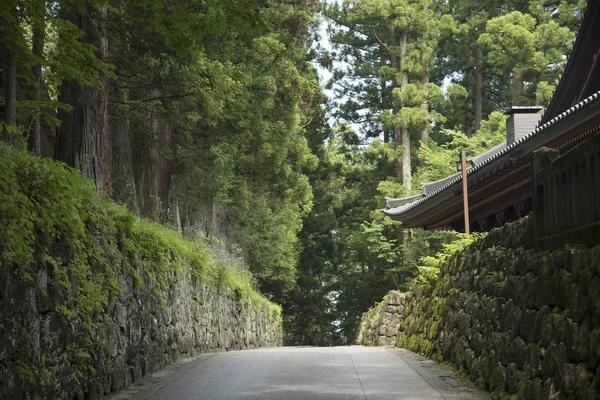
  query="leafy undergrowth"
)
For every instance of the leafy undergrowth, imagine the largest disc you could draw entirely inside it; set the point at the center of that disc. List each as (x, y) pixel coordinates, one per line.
(426, 301)
(52, 216)
(429, 266)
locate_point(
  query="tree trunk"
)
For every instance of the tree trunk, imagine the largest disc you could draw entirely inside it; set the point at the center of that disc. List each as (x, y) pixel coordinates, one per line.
(395, 61)
(177, 216)
(39, 26)
(478, 87)
(425, 104)
(153, 161)
(404, 134)
(123, 182)
(468, 126)
(469, 104)
(10, 117)
(145, 164)
(101, 108)
(517, 87)
(425, 80)
(10, 94)
(82, 139)
(407, 244)
(10, 71)
(167, 157)
(383, 88)
(76, 141)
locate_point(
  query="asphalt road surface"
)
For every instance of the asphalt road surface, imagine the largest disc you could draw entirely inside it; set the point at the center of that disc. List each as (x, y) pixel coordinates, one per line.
(303, 373)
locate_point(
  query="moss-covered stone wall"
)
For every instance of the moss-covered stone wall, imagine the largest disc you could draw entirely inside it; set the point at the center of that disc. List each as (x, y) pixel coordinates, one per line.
(92, 298)
(379, 325)
(521, 323)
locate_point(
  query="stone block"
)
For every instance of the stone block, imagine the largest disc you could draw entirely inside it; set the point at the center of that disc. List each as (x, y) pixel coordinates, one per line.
(594, 350)
(554, 357)
(513, 377)
(395, 298)
(510, 316)
(385, 341)
(497, 378)
(391, 331)
(517, 351)
(578, 340)
(468, 358)
(575, 380)
(544, 293)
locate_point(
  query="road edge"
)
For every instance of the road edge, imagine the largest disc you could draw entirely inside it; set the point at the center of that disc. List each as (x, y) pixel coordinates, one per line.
(149, 385)
(442, 380)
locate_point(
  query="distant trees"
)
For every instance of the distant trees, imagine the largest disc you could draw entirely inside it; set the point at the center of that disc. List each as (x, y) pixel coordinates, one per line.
(175, 108)
(207, 115)
(390, 60)
(419, 80)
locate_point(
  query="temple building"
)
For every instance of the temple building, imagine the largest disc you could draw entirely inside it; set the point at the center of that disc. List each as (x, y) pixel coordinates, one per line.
(500, 183)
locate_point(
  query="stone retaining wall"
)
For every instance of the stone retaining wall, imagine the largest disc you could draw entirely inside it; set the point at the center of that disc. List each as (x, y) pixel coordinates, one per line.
(44, 355)
(515, 320)
(93, 298)
(379, 325)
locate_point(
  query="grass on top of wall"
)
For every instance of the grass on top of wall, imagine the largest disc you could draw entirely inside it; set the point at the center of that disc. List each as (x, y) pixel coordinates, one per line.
(53, 216)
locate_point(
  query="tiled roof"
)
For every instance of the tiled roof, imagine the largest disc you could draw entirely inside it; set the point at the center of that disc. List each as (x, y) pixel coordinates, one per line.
(458, 177)
(430, 187)
(570, 69)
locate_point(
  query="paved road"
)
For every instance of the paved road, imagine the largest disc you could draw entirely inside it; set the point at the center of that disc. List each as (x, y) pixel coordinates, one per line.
(302, 373)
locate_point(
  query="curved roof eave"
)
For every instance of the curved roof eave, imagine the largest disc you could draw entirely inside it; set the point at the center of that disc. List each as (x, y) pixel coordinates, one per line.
(495, 160)
(566, 93)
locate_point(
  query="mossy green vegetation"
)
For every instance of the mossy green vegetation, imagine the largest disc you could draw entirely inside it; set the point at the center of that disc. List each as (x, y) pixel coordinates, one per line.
(420, 329)
(76, 250)
(519, 322)
(429, 266)
(50, 213)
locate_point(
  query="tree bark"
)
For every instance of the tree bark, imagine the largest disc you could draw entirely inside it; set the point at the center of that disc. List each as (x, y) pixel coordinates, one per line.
(153, 162)
(10, 116)
(101, 107)
(468, 126)
(82, 139)
(425, 80)
(478, 87)
(123, 182)
(404, 133)
(10, 93)
(425, 104)
(517, 87)
(177, 215)
(470, 103)
(39, 26)
(167, 153)
(76, 142)
(395, 61)
(10, 73)
(383, 88)
(145, 157)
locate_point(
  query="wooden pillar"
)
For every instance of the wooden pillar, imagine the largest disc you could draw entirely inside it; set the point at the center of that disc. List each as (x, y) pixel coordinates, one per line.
(541, 158)
(463, 157)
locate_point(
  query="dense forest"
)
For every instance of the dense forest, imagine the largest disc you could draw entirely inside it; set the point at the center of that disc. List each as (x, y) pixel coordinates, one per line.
(209, 116)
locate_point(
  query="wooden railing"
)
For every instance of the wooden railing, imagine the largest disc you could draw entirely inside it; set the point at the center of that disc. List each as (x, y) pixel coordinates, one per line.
(567, 192)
